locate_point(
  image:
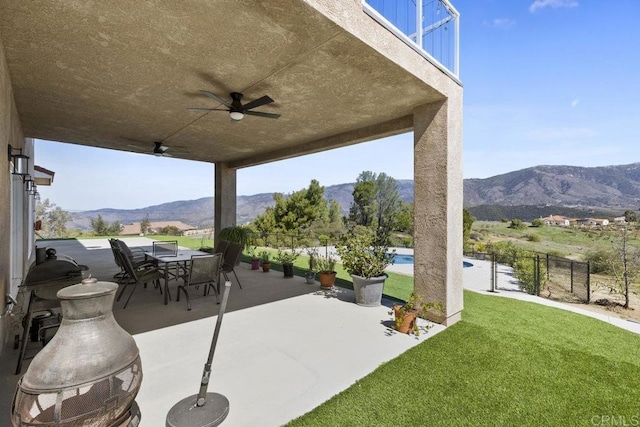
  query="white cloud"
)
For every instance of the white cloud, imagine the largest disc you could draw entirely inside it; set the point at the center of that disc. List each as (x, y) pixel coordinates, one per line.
(554, 4)
(575, 102)
(501, 23)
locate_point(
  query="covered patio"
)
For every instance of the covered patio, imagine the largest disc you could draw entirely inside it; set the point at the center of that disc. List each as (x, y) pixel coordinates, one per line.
(121, 75)
(285, 346)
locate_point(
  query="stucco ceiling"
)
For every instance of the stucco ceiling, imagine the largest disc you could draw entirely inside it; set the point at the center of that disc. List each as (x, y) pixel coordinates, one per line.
(120, 74)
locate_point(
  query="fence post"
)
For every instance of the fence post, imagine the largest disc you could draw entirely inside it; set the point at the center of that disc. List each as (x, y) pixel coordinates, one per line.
(547, 266)
(571, 276)
(588, 282)
(494, 267)
(536, 275)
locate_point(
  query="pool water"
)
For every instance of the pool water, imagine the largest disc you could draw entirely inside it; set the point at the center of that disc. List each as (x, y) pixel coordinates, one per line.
(403, 259)
(408, 259)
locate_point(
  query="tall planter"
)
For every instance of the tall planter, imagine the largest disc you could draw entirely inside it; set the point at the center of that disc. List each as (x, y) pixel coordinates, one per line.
(287, 270)
(368, 292)
(255, 263)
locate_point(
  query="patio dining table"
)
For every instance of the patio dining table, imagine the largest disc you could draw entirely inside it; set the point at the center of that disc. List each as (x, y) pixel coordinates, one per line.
(180, 260)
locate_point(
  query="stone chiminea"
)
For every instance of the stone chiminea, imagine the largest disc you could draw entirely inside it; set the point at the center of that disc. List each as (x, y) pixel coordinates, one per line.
(90, 372)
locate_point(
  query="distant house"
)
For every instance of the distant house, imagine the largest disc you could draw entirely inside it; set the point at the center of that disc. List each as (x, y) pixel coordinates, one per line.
(620, 220)
(593, 221)
(560, 220)
(155, 227)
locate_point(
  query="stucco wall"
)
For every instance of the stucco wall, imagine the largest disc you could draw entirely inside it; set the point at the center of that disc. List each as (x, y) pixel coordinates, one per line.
(10, 133)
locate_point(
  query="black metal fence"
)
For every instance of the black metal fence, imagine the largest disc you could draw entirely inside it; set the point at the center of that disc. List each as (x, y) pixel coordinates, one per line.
(567, 276)
(544, 275)
(293, 241)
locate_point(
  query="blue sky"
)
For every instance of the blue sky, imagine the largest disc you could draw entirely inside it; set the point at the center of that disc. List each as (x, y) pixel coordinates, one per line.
(545, 82)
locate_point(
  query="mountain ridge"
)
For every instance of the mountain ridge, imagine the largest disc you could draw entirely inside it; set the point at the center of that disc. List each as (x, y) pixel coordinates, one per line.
(603, 190)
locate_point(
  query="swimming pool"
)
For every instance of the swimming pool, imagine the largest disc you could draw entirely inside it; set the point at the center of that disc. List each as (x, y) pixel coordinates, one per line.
(408, 259)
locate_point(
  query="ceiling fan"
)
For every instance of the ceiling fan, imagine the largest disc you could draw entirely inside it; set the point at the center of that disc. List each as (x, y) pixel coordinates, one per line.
(236, 109)
(159, 149)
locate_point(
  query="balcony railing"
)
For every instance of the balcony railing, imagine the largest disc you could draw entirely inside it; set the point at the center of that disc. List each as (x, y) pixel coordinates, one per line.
(431, 27)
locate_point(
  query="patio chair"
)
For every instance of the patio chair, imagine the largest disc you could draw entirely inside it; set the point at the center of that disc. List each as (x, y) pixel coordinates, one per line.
(144, 273)
(202, 270)
(168, 248)
(221, 247)
(114, 250)
(135, 255)
(231, 260)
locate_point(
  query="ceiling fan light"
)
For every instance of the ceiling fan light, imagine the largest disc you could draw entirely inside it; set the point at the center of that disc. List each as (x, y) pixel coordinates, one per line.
(236, 115)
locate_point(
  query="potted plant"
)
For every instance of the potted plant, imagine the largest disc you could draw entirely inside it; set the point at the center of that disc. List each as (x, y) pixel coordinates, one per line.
(286, 258)
(235, 234)
(326, 271)
(266, 264)
(310, 275)
(406, 315)
(365, 261)
(255, 259)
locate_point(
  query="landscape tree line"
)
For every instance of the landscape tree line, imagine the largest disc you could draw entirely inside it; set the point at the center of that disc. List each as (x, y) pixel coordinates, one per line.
(376, 205)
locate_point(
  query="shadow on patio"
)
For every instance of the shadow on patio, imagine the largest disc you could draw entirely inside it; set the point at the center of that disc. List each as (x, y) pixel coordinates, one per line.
(146, 312)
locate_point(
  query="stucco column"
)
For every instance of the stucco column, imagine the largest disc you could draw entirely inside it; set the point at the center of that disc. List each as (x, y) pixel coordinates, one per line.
(438, 204)
(225, 197)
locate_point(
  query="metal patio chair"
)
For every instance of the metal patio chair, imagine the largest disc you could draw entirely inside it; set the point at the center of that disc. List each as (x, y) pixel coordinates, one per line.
(231, 260)
(144, 273)
(221, 247)
(135, 255)
(202, 270)
(168, 248)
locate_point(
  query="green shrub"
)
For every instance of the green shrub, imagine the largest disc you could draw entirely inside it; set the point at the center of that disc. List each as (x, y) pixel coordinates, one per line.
(537, 223)
(506, 252)
(524, 271)
(533, 237)
(601, 260)
(516, 224)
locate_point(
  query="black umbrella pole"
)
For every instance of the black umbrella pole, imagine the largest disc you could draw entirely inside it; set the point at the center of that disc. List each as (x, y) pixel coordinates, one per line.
(203, 409)
(206, 373)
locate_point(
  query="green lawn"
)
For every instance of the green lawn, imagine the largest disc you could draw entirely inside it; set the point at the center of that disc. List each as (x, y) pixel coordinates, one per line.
(507, 363)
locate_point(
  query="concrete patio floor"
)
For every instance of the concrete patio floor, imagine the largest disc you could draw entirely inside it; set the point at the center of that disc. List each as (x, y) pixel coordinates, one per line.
(284, 348)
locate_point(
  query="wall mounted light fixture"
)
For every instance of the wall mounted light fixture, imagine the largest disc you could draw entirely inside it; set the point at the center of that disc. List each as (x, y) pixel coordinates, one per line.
(28, 183)
(20, 161)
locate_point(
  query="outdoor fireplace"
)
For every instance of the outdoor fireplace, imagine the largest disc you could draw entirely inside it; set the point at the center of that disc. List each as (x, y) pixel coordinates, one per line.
(90, 372)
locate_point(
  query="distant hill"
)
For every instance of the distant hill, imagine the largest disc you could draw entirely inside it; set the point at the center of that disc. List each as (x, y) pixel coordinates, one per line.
(611, 187)
(526, 194)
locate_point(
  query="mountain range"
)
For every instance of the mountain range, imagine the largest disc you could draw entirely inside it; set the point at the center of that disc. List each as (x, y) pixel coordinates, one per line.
(526, 194)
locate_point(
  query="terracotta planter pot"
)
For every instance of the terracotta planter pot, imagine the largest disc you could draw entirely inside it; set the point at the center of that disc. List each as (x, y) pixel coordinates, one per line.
(405, 322)
(255, 264)
(327, 279)
(266, 267)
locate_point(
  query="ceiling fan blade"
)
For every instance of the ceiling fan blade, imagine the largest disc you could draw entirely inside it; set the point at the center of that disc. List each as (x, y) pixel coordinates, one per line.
(261, 114)
(216, 97)
(257, 102)
(200, 109)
